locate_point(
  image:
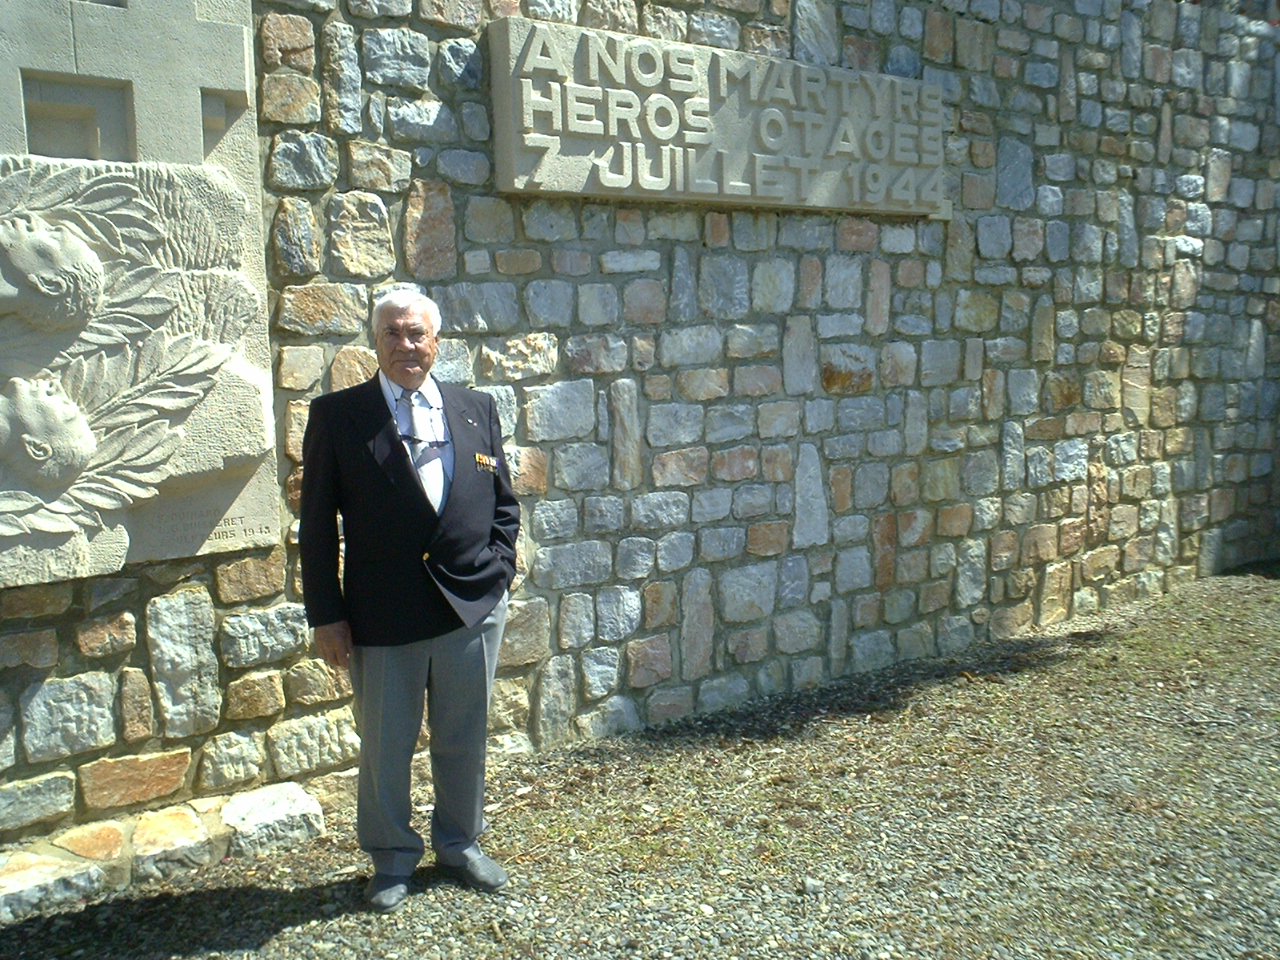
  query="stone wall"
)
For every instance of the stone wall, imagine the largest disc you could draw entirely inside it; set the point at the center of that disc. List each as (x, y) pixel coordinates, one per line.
(756, 450)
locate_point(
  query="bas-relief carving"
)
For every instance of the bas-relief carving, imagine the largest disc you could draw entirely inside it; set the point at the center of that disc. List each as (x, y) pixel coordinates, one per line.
(135, 395)
(611, 115)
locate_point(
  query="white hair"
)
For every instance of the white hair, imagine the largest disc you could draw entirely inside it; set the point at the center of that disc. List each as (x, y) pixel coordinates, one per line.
(404, 300)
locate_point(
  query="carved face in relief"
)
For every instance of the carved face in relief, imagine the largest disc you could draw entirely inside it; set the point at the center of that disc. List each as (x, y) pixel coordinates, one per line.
(45, 439)
(49, 277)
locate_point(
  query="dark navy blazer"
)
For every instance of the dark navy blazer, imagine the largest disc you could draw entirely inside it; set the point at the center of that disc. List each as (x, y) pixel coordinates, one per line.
(407, 574)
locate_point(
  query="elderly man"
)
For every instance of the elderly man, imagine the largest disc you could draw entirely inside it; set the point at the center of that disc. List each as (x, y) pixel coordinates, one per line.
(429, 523)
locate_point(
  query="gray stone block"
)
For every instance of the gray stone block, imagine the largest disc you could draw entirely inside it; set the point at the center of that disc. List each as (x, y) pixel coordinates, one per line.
(312, 744)
(184, 667)
(277, 817)
(560, 411)
(263, 636)
(573, 565)
(65, 716)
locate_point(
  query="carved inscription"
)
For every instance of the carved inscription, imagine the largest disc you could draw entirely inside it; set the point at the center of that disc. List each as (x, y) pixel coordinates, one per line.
(604, 114)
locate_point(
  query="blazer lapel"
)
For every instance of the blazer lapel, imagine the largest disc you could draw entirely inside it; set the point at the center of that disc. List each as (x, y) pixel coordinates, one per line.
(382, 438)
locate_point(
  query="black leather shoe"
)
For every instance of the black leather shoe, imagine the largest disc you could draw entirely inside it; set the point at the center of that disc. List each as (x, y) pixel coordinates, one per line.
(483, 874)
(386, 892)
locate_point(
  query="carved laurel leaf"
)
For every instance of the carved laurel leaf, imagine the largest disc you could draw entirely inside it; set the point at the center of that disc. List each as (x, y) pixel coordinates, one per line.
(50, 188)
(100, 494)
(18, 501)
(215, 305)
(132, 460)
(12, 526)
(164, 377)
(14, 189)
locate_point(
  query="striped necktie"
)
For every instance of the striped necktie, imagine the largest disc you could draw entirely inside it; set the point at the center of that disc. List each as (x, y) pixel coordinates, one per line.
(425, 448)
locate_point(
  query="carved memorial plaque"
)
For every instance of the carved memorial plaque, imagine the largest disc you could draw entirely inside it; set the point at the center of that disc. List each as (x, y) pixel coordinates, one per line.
(136, 415)
(585, 112)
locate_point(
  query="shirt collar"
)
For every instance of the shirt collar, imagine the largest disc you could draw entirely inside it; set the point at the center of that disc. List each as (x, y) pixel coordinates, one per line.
(428, 393)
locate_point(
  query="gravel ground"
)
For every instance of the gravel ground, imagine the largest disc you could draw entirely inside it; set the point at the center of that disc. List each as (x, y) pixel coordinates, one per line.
(1107, 791)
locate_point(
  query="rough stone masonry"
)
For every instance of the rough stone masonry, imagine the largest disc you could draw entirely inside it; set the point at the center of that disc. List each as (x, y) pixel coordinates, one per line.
(758, 446)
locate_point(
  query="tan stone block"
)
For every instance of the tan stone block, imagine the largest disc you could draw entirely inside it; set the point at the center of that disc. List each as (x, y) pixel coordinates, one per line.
(809, 283)
(856, 235)
(299, 368)
(1004, 549)
(173, 828)
(680, 468)
(716, 231)
(35, 648)
(102, 841)
(1071, 534)
(123, 781)
(915, 528)
(661, 604)
(884, 541)
(137, 713)
(703, 385)
(463, 14)
(430, 244)
(528, 467)
(1124, 522)
(840, 482)
(288, 41)
(736, 463)
(978, 191)
(879, 293)
(39, 600)
(314, 681)
(295, 426)
(657, 386)
(257, 694)
(955, 520)
(375, 166)
(324, 309)
(649, 661)
(289, 98)
(757, 381)
(644, 301)
(768, 539)
(939, 43)
(1020, 583)
(1137, 553)
(1055, 594)
(940, 480)
(867, 612)
(509, 710)
(517, 262)
(1040, 543)
(107, 636)
(777, 464)
(934, 595)
(251, 578)
(904, 484)
(352, 365)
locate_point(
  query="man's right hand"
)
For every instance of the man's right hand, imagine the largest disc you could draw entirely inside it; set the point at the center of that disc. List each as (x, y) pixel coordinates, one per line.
(333, 643)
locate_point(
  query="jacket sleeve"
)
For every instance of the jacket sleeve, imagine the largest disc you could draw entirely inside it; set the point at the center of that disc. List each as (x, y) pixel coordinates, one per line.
(506, 512)
(318, 542)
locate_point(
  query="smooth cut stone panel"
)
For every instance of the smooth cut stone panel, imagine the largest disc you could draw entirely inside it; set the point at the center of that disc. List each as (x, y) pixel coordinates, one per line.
(731, 147)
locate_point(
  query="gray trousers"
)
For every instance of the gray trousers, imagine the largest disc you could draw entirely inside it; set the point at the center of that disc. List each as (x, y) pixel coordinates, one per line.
(455, 672)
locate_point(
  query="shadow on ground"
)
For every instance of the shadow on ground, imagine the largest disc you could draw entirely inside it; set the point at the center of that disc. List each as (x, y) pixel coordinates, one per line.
(165, 926)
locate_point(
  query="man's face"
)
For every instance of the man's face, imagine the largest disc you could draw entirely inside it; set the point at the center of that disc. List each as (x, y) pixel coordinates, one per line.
(406, 347)
(35, 260)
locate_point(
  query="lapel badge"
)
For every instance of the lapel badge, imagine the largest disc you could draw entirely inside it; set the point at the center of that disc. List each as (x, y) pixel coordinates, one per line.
(486, 462)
